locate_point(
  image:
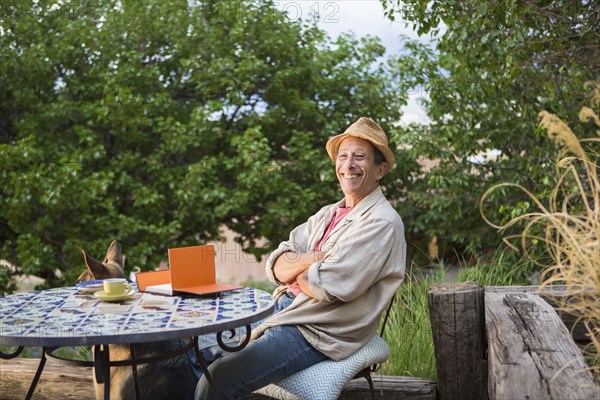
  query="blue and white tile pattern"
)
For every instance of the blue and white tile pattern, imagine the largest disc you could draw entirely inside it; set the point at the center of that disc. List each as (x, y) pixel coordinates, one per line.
(58, 316)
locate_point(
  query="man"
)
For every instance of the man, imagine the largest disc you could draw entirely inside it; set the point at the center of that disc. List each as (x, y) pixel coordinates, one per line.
(337, 272)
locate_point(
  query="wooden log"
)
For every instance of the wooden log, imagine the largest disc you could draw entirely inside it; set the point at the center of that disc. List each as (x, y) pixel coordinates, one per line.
(531, 354)
(554, 295)
(457, 322)
(391, 388)
(57, 381)
(386, 388)
(76, 383)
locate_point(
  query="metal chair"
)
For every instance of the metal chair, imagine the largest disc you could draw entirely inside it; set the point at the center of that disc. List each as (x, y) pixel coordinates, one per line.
(325, 380)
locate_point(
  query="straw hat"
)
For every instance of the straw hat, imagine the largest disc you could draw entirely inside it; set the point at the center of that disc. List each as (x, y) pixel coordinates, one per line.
(364, 128)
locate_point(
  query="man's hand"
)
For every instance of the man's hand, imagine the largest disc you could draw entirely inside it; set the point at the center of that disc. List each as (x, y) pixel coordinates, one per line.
(302, 280)
(289, 265)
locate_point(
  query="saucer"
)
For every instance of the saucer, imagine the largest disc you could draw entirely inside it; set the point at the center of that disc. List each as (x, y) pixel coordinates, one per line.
(107, 297)
(90, 286)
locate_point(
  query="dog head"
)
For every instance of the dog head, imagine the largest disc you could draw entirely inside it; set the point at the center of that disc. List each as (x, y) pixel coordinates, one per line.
(113, 265)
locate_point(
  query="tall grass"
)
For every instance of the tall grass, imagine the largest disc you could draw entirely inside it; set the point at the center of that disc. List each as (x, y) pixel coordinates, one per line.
(504, 269)
(566, 230)
(264, 285)
(408, 332)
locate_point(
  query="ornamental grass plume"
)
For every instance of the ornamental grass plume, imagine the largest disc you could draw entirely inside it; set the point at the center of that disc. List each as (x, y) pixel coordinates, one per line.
(567, 230)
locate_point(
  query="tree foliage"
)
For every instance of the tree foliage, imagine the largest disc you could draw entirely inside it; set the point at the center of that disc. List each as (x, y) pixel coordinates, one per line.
(154, 122)
(491, 67)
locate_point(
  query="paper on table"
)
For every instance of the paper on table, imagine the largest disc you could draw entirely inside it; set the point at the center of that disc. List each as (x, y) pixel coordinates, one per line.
(166, 289)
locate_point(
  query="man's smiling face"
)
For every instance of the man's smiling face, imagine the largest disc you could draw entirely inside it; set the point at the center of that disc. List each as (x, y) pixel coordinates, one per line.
(356, 170)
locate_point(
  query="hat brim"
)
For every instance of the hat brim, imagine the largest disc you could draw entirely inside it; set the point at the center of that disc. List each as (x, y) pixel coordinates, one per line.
(333, 145)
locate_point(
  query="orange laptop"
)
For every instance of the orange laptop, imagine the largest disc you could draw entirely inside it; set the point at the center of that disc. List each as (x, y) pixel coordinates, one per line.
(191, 270)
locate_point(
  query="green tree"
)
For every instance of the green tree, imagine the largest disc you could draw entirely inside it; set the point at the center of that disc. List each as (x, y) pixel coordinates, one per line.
(490, 68)
(154, 122)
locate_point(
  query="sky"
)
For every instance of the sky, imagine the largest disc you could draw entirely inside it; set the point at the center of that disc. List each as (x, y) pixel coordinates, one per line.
(363, 17)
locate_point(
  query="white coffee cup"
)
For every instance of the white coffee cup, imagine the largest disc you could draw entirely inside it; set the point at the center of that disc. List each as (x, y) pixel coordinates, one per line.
(116, 286)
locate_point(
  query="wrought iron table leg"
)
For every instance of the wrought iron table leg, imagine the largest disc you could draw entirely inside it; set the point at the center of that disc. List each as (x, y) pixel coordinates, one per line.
(240, 346)
(204, 369)
(225, 347)
(102, 367)
(102, 364)
(10, 356)
(36, 378)
(38, 373)
(135, 375)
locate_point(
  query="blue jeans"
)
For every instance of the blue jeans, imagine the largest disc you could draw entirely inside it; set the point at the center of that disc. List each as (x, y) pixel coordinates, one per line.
(280, 352)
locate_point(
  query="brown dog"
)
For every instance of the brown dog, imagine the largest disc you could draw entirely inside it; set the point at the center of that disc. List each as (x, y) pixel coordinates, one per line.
(169, 379)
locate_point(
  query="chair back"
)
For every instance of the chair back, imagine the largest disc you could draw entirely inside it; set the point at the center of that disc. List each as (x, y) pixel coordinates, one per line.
(375, 367)
(387, 314)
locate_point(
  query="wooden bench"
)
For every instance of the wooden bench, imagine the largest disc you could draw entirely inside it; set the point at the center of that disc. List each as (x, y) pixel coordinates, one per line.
(531, 354)
(507, 343)
(57, 381)
(65, 382)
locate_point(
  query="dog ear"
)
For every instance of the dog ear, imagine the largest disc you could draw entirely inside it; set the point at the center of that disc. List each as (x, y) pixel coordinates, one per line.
(115, 255)
(96, 268)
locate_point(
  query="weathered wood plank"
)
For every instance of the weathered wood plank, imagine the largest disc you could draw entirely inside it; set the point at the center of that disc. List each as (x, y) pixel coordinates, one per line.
(391, 388)
(60, 382)
(386, 388)
(531, 354)
(57, 381)
(457, 322)
(554, 295)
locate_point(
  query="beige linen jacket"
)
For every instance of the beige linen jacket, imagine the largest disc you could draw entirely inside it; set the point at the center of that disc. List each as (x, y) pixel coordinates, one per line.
(363, 267)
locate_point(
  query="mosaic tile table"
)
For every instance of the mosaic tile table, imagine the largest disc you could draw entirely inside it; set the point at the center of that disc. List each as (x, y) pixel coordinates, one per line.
(67, 317)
